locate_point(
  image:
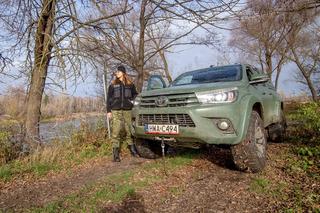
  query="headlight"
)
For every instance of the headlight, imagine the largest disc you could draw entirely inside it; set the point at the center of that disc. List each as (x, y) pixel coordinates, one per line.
(136, 101)
(218, 96)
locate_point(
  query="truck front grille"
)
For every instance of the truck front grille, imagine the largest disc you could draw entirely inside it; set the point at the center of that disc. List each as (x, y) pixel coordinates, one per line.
(183, 120)
(175, 100)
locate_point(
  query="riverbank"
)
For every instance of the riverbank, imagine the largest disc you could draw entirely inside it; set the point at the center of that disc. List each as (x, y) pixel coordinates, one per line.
(7, 119)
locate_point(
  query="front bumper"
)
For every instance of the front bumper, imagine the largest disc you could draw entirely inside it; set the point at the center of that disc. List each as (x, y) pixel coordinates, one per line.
(204, 118)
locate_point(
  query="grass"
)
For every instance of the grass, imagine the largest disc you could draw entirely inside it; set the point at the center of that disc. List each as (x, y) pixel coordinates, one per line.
(116, 187)
(8, 123)
(176, 190)
(259, 185)
(295, 188)
(83, 145)
(5, 172)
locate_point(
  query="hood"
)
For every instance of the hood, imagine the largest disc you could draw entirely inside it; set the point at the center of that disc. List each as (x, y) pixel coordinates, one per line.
(191, 88)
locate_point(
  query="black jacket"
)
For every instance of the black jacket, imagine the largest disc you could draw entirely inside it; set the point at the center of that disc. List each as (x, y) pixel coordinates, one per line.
(120, 97)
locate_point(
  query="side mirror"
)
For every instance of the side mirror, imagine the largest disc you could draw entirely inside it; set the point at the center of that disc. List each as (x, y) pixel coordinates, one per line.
(259, 78)
(156, 82)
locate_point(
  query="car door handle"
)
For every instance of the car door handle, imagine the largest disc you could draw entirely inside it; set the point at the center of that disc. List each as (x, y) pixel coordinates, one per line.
(263, 93)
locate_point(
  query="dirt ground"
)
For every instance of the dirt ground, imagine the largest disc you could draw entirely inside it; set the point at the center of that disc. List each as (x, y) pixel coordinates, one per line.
(209, 184)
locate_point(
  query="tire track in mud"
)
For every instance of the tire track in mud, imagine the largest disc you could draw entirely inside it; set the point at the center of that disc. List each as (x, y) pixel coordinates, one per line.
(210, 184)
(27, 194)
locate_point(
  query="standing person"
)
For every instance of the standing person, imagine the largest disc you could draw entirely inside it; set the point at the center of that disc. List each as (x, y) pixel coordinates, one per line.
(121, 94)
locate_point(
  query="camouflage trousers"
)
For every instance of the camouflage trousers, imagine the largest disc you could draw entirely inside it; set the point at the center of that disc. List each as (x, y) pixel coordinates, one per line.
(119, 116)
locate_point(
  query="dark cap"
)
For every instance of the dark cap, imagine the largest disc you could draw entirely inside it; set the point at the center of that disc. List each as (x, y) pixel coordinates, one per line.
(121, 68)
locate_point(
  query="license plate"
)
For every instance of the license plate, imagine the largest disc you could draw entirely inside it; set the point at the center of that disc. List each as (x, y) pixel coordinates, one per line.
(161, 129)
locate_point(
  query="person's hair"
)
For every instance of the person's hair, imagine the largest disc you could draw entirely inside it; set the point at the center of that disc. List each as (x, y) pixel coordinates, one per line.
(126, 80)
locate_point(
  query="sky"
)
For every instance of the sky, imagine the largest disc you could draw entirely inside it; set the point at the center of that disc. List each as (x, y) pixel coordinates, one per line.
(198, 57)
(182, 60)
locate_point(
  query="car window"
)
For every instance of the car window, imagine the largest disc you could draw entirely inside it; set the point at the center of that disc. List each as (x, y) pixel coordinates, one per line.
(184, 80)
(212, 74)
(156, 82)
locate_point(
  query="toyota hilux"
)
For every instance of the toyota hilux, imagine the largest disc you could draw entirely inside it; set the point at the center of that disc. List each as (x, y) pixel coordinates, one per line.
(234, 105)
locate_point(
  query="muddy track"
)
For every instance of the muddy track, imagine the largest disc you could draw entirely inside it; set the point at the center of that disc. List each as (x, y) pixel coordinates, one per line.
(210, 184)
(22, 195)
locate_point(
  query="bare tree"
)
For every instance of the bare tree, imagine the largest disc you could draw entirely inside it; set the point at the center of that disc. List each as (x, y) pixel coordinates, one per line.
(157, 37)
(263, 29)
(50, 31)
(305, 53)
(133, 39)
(261, 33)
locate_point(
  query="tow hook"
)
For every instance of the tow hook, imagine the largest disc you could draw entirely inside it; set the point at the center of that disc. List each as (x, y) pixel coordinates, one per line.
(163, 146)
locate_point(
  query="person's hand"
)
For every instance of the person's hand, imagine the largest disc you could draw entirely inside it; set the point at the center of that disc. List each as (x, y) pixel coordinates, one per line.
(109, 114)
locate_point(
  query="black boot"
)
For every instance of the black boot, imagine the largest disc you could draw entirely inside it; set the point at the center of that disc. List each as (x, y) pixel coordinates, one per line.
(133, 150)
(116, 157)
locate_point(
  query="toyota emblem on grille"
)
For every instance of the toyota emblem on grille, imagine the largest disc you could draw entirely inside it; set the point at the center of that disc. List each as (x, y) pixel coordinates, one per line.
(162, 101)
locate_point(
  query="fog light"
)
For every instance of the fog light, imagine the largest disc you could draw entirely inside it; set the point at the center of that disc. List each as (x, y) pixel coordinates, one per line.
(223, 125)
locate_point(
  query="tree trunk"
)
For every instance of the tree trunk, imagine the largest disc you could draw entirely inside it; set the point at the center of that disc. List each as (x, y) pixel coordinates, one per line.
(268, 56)
(166, 67)
(42, 53)
(312, 89)
(306, 74)
(279, 68)
(140, 64)
(277, 77)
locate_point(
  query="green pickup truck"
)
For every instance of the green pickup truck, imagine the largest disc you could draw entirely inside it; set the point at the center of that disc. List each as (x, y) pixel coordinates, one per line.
(234, 105)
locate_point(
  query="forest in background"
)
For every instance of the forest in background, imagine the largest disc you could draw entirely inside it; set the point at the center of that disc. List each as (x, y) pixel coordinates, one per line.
(12, 104)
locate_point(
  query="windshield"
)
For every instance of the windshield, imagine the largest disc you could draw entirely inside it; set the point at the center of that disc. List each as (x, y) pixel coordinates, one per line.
(209, 75)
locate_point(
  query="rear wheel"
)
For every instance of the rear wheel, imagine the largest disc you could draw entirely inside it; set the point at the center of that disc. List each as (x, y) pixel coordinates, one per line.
(148, 148)
(250, 154)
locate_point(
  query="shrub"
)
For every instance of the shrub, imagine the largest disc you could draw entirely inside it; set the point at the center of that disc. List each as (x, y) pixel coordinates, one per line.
(308, 117)
(9, 149)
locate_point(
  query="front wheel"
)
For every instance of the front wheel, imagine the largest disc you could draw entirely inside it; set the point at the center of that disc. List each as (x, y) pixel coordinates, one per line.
(250, 154)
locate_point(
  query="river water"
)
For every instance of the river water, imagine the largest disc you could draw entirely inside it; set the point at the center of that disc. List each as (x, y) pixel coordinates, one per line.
(64, 129)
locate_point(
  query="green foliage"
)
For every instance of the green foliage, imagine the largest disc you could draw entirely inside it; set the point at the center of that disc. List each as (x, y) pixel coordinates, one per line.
(5, 147)
(308, 160)
(9, 148)
(10, 140)
(305, 135)
(309, 151)
(5, 172)
(308, 117)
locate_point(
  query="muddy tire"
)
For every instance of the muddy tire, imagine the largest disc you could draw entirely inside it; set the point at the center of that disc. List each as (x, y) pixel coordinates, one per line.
(277, 132)
(250, 154)
(148, 149)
